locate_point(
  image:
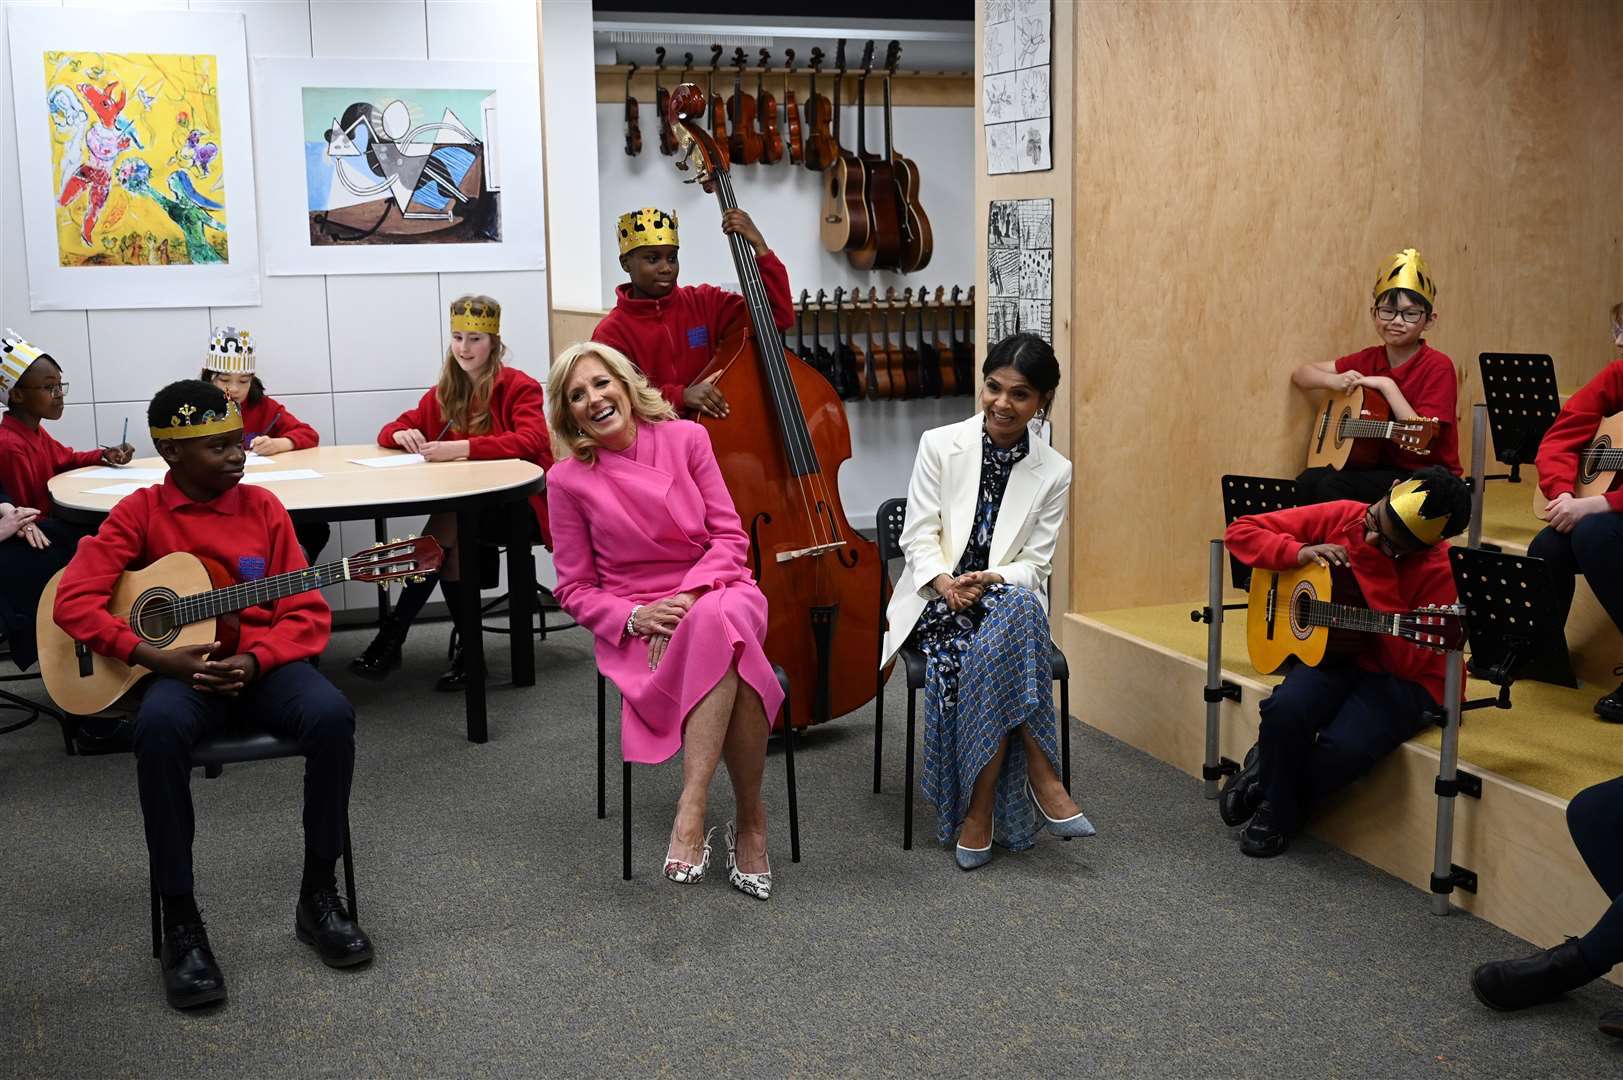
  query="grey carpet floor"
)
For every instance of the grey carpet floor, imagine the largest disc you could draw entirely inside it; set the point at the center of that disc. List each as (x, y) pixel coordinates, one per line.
(508, 945)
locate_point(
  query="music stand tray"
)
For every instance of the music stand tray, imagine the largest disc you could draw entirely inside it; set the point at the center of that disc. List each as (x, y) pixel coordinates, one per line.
(1522, 400)
(1511, 625)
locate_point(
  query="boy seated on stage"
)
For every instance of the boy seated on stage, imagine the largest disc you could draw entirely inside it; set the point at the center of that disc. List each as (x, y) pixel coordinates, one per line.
(669, 331)
(1415, 379)
(1584, 536)
(1324, 727)
(203, 508)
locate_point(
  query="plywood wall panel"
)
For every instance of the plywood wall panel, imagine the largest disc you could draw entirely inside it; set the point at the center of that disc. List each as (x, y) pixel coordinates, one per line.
(1241, 170)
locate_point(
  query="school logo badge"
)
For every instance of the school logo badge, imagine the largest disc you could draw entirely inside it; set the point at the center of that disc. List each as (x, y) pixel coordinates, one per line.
(698, 337)
(250, 567)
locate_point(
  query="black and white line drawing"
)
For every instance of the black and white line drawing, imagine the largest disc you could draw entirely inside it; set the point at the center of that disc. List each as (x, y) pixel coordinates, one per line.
(1017, 85)
(1020, 264)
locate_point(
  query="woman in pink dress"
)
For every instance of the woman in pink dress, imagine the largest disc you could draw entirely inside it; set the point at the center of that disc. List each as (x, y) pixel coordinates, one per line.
(652, 559)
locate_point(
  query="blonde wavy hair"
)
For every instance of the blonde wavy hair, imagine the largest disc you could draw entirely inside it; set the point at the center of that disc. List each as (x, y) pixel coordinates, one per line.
(465, 400)
(567, 437)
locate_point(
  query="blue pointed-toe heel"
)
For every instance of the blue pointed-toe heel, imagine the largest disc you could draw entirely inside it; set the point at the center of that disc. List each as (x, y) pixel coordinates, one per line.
(1075, 825)
(973, 858)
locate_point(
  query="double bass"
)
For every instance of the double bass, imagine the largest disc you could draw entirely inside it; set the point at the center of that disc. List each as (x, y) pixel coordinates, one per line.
(780, 448)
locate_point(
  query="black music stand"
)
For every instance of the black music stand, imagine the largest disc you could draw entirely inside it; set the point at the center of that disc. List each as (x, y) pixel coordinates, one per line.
(1509, 623)
(1522, 400)
(1242, 495)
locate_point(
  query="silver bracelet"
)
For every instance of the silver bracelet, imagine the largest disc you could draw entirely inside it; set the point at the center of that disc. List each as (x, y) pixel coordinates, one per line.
(631, 621)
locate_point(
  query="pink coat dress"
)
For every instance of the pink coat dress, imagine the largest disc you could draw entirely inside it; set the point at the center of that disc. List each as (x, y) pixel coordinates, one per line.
(640, 525)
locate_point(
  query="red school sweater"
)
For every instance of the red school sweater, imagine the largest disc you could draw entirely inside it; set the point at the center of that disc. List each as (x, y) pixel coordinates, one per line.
(1428, 382)
(270, 417)
(246, 530)
(1272, 542)
(672, 340)
(29, 457)
(1574, 426)
(518, 429)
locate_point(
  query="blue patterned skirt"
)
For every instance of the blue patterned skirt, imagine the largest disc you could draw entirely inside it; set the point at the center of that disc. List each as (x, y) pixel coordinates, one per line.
(987, 673)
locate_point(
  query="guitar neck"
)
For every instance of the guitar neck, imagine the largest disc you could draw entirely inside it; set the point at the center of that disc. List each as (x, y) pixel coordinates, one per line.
(247, 594)
(1347, 617)
(1602, 459)
(1367, 429)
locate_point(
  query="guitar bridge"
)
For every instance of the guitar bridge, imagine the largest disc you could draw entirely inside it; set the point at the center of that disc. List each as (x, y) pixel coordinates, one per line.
(81, 653)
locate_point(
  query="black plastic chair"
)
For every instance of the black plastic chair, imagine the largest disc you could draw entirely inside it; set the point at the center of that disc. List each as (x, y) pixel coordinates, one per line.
(625, 774)
(888, 523)
(32, 710)
(231, 747)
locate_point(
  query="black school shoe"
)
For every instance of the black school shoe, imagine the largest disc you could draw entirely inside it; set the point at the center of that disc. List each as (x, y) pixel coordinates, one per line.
(454, 680)
(1508, 985)
(1262, 839)
(322, 922)
(1610, 707)
(1242, 792)
(1611, 1023)
(191, 977)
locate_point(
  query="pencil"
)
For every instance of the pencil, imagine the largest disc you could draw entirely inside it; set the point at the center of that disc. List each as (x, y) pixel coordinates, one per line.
(443, 431)
(124, 438)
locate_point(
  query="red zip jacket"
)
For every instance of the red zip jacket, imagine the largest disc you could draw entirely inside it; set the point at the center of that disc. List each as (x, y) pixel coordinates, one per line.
(1272, 541)
(1428, 383)
(672, 340)
(246, 530)
(270, 417)
(29, 457)
(1574, 426)
(518, 429)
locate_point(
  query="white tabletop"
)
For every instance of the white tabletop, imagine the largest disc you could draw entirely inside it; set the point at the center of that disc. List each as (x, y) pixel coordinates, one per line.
(342, 483)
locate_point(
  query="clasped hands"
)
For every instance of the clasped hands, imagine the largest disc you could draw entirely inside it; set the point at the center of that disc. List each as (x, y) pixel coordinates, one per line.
(965, 589)
(415, 442)
(1566, 510)
(191, 665)
(19, 521)
(657, 621)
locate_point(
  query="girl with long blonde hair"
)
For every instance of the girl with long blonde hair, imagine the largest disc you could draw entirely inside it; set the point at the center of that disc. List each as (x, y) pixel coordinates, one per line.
(480, 409)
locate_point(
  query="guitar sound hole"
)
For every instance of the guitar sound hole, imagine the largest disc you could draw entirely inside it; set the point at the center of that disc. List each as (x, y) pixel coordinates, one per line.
(1590, 468)
(153, 618)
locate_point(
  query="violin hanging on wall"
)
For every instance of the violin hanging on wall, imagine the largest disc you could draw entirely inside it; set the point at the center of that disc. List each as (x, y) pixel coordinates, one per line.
(662, 105)
(766, 113)
(791, 113)
(633, 130)
(820, 147)
(745, 147)
(718, 109)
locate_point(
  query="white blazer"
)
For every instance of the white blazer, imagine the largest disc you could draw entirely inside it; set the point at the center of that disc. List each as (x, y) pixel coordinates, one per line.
(941, 501)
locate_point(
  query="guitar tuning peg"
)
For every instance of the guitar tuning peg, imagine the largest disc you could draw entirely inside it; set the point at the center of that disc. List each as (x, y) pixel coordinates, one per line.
(396, 540)
(411, 536)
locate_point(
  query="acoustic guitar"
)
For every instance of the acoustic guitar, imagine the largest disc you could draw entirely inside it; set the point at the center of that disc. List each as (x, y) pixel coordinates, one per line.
(1600, 465)
(917, 239)
(1317, 613)
(846, 222)
(181, 600)
(1348, 430)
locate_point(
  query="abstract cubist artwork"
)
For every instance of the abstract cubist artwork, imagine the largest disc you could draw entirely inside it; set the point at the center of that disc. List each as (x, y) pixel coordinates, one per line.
(137, 172)
(392, 166)
(413, 166)
(134, 152)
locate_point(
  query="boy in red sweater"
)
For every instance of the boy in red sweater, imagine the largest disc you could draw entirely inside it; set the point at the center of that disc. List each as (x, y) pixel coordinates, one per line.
(670, 332)
(201, 507)
(1584, 536)
(1415, 379)
(268, 428)
(1324, 727)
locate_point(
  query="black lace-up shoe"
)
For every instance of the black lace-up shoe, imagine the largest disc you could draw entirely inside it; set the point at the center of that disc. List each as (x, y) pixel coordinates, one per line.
(1508, 985)
(191, 977)
(1262, 838)
(455, 678)
(1240, 795)
(1610, 707)
(322, 922)
(382, 655)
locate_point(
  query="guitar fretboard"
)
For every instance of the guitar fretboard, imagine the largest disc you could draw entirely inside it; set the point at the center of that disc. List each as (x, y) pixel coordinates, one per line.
(1602, 459)
(1346, 617)
(216, 602)
(1365, 429)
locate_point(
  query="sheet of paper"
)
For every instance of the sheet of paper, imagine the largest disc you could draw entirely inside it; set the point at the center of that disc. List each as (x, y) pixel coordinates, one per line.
(281, 474)
(109, 472)
(120, 489)
(391, 462)
(258, 459)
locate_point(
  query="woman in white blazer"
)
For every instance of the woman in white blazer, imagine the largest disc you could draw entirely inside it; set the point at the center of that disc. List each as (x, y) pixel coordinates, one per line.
(984, 508)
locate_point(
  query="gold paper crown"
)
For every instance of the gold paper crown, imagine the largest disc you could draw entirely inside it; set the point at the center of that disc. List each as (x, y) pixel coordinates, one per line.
(1406, 501)
(230, 351)
(16, 357)
(1407, 270)
(478, 317)
(192, 423)
(648, 227)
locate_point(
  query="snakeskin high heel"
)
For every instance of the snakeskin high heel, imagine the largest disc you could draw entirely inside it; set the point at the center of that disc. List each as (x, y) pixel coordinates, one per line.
(756, 885)
(684, 873)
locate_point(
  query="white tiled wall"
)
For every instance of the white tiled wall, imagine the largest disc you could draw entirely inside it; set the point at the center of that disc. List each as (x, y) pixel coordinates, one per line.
(345, 353)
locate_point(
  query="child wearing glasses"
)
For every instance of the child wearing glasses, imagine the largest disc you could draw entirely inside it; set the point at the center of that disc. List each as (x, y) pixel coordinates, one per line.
(36, 545)
(1416, 380)
(1324, 727)
(1584, 535)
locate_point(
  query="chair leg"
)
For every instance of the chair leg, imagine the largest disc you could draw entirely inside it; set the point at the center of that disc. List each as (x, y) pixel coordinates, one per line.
(1065, 730)
(349, 874)
(907, 811)
(789, 769)
(625, 821)
(602, 745)
(878, 726)
(152, 887)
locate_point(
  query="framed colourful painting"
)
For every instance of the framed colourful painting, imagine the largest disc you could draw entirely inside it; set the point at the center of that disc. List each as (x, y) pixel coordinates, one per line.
(399, 166)
(135, 154)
